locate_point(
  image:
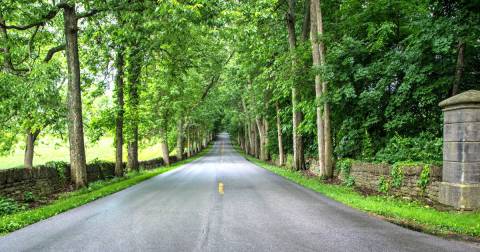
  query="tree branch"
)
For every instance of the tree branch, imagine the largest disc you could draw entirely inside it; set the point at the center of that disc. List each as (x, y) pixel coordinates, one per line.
(43, 20)
(215, 78)
(52, 52)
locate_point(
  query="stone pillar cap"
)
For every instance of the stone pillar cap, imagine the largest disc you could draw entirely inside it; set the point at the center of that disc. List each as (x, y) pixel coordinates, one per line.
(468, 97)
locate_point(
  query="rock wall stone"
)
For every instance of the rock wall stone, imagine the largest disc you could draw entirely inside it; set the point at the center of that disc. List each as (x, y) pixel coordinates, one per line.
(44, 180)
(368, 175)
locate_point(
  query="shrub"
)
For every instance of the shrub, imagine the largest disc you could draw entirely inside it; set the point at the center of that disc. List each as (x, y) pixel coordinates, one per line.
(350, 181)
(9, 206)
(397, 175)
(29, 197)
(424, 148)
(343, 166)
(424, 179)
(60, 166)
(383, 185)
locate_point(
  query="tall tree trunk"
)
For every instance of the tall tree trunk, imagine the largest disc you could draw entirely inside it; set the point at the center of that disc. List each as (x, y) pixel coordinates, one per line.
(306, 20)
(262, 127)
(241, 140)
(327, 137)
(251, 139)
(75, 121)
(298, 155)
(180, 139)
(258, 122)
(29, 148)
(189, 145)
(198, 141)
(164, 145)
(459, 68)
(246, 137)
(119, 64)
(134, 71)
(204, 140)
(265, 126)
(132, 152)
(255, 143)
(318, 85)
(281, 154)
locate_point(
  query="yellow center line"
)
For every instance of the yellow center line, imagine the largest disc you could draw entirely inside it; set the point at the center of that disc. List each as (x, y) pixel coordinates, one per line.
(220, 188)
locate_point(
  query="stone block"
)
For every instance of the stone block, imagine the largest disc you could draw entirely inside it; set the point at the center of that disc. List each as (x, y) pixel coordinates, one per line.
(461, 132)
(460, 196)
(461, 151)
(463, 115)
(461, 172)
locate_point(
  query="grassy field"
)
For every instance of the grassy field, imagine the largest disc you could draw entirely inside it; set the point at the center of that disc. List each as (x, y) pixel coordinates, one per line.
(406, 213)
(95, 190)
(54, 149)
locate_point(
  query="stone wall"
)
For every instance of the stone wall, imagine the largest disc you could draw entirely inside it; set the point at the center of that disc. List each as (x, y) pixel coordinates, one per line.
(368, 176)
(39, 180)
(44, 180)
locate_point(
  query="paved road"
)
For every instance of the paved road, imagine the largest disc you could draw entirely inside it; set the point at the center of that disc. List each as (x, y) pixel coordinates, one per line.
(183, 210)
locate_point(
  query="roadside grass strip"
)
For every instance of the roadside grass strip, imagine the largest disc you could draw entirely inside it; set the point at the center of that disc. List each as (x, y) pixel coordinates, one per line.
(410, 214)
(95, 190)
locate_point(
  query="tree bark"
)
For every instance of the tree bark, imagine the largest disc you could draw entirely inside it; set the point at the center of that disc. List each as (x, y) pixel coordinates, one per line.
(306, 20)
(75, 120)
(298, 155)
(281, 154)
(260, 129)
(318, 85)
(327, 170)
(29, 148)
(119, 64)
(132, 152)
(246, 144)
(189, 147)
(459, 68)
(265, 126)
(197, 136)
(180, 139)
(164, 145)
(134, 71)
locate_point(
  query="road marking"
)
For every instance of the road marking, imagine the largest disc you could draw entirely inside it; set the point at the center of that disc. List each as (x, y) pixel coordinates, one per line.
(220, 188)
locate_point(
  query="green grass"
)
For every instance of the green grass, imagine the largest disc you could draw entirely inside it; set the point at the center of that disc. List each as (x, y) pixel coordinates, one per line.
(96, 190)
(54, 149)
(406, 213)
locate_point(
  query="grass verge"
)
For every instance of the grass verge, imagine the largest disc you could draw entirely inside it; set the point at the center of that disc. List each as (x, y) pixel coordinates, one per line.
(413, 215)
(96, 190)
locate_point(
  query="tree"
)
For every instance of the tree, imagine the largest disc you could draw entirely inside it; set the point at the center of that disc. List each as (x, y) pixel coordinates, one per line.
(324, 139)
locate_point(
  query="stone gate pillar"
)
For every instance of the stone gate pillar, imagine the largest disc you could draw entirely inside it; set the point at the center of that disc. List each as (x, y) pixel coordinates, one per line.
(460, 185)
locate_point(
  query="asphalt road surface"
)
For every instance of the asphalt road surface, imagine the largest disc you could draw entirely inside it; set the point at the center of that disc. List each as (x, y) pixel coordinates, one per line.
(220, 202)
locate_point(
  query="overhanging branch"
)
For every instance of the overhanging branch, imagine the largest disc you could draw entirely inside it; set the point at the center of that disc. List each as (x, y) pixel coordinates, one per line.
(52, 52)
(42, 21)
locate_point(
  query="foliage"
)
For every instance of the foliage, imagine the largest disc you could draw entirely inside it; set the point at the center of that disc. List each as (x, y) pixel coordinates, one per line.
(367, 147)
(384, 185)
(29, 197)
(422, 148)
(9, 206)
(350, 181)
(424, 178)
(60, 166)
(397, 175)
(344, 166)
